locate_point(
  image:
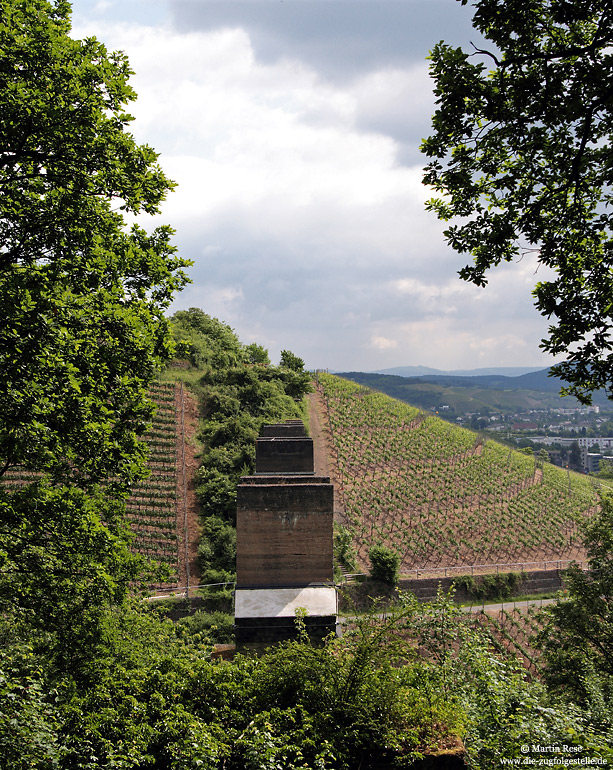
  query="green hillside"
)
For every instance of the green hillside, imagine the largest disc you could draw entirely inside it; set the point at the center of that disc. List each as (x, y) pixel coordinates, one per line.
(441, 495)
(151, 506)
(469, 394)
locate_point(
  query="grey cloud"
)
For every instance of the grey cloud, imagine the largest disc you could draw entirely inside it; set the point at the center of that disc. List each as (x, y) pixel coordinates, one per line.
(284, 289)
(344, 40)
(406, 122)
(328, 315)
(340, 39)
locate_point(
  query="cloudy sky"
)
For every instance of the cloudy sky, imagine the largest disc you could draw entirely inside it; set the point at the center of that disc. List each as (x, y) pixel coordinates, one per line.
(292, 128)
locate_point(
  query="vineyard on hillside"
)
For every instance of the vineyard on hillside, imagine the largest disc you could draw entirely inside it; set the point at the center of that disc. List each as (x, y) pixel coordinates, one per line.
(441, 495)
(513, 631)
(151, 509)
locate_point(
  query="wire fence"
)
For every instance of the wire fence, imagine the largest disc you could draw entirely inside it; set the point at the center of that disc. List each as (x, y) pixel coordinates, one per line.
(479, 569)
(184, 591)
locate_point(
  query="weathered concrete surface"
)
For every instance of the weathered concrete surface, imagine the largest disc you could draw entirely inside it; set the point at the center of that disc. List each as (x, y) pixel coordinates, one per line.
(287, 454)
(284, 532)
(283, 602)
(291, 429)
(284, 541)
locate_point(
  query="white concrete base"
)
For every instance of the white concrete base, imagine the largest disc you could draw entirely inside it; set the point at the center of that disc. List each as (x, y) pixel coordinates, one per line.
(283, 602)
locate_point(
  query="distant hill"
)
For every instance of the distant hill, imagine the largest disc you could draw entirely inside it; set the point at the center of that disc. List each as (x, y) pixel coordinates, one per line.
(467, 394)
(425, 371)
(539, 380)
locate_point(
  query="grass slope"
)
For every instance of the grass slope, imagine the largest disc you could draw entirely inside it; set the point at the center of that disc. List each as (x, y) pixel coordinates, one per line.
(439, 494)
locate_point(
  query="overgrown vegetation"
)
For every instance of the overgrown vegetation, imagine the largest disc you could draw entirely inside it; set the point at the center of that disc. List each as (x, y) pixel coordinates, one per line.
(83, 298)
(344, 553)
(239, 390)
(387, 692)
(497, 586)
(578, 639)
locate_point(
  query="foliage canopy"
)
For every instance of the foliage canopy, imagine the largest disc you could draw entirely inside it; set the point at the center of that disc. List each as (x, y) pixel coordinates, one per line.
(578, 643)
(384, 563)
(83, 300)
(521, 154)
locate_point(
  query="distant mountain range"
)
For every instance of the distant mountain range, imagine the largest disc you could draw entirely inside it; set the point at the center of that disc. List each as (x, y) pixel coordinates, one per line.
(471, 392)
(422, 371)
(538, 380)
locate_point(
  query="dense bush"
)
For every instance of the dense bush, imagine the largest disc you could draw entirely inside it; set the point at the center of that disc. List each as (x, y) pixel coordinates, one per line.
(501, 585)
(384, 564)
(344, 552)
(578, 640)
(217, 551)
(217, 626)
(156, 702)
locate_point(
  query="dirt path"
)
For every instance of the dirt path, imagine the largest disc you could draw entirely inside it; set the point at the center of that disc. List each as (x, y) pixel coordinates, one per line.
(320, 434)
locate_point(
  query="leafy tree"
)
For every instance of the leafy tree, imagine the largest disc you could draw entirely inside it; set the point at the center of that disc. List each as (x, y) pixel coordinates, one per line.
(256, 354)
(291, 370)
(574, 457)
(205, 341)
(29, 720)
(83, 300)
(543, 456)
(578, 642)
(291, 361)
(217, 551)
(605, 470)
(521, 154)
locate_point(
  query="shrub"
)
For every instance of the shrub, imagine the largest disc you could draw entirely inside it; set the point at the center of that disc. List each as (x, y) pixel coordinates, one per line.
(384, 564)
(343, 547)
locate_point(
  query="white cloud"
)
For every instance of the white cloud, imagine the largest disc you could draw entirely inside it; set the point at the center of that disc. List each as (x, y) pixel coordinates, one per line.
(383, 343)
(305, 230)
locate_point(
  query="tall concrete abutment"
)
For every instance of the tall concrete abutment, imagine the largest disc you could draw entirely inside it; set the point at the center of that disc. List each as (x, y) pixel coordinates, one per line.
(284, 539)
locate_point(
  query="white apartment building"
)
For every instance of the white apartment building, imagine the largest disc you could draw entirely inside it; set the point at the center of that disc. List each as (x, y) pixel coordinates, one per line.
(584, 442)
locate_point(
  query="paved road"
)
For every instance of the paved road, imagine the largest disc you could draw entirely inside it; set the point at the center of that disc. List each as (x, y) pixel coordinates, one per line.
(510, 605)
(490, 609)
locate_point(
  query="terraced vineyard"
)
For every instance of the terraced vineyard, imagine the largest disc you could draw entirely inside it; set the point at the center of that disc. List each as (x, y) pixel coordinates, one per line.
(513, 631)
(441, 495)
(151, 509)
